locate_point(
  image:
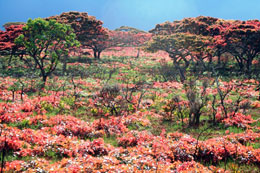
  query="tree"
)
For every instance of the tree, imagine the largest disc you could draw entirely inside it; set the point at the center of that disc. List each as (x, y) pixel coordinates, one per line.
(89, 31)
(238, 38)
(183, 48)
(45, 42)
(201, 25)
(7, 45)
(99, 43)
(242, 40)
(194, 25)
(7, 38)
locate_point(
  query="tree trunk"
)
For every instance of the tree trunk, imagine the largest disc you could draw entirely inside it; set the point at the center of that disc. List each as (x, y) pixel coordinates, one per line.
(138, 53)
(64, 64)
(98, 54)
(190, 121)
(219, 60)
(248, 67)
(240, 63)
(182, 74)
(194, 119)
(95, 54)
(10, 60)
(210, 61)
(44, 79)
(197, 119)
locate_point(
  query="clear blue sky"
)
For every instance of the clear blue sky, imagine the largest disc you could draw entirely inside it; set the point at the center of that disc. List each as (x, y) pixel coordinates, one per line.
(142, 14)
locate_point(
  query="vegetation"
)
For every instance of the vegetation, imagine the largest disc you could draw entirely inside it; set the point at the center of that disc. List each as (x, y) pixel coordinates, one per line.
(46, 40)
(185, 105)
(129, 29)
(6, 25)
(90, 32)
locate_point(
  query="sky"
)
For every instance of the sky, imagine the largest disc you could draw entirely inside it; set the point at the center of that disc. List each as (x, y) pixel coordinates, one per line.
(141, 14)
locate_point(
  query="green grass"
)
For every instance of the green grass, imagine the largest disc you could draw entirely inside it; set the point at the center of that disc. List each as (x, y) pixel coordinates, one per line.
(205, 131)
(10, 156)
(148, 71)
(111, 140)
(50, 155)
(238, 167)
(256, 145)
(24, 124)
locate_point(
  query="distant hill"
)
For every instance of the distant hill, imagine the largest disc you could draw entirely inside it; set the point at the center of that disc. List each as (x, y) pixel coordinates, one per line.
(129, 29)
(13, 23)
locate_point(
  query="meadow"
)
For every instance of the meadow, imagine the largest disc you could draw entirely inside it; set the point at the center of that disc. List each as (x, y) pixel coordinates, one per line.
(118, 114)
(77, 97)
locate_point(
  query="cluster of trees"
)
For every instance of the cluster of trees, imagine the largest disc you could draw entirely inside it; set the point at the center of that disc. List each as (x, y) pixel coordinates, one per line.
(194, 44)
(92, 35)
(43, 43)
(203, 38)
(89, 31)
(191, 41)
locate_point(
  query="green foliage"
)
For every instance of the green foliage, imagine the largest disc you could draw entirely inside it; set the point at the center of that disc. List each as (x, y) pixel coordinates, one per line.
(24, 124)
(47, 106)
(46, 42)
(14, 87)
(111, 140)
(21, 124)
(53, 155)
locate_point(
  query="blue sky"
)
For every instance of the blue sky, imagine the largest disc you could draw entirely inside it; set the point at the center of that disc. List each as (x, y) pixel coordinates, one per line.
(142, 14)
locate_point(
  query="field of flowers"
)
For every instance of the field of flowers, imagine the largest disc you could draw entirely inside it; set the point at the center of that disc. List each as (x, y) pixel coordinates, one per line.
(121, 114)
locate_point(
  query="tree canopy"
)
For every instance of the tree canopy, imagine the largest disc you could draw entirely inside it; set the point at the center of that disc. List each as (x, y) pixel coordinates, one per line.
(240, 39)
(89, 31)
(7, 45)
(45, 42)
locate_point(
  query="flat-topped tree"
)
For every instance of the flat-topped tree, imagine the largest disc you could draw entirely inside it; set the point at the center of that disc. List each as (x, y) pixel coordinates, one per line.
(195, 25)
(46, 42)
(183, 48)
(242, 40)
(201, 25)
(239, 38)
(89, 31)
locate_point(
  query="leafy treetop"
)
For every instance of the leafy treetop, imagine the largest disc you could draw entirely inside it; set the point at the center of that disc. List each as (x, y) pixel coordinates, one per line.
(7, 45)
(183, 48)
(45, 42)
(241, 39)
(194, 25)
(89, 31)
